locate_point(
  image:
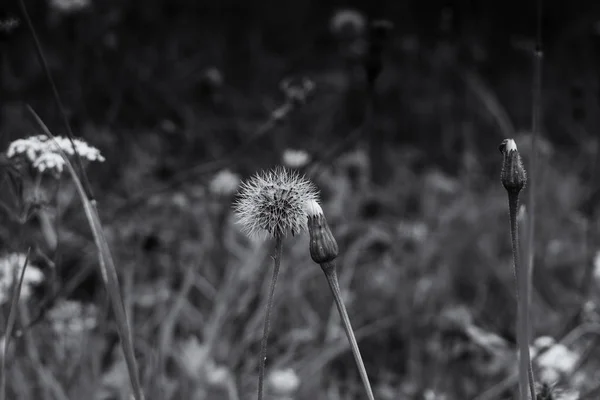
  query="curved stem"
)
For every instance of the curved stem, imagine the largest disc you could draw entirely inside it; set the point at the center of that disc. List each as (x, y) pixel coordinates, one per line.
(267, 326)
(332, 279)
(526, 382)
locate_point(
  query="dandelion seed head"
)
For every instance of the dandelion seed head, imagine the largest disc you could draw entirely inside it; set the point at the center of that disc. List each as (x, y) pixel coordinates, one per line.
(11, 266)
(273, 203)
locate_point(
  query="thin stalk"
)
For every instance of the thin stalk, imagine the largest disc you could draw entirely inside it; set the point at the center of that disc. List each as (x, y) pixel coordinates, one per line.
(108, 270)
(332, 278)
(267, 327)
(526, 386)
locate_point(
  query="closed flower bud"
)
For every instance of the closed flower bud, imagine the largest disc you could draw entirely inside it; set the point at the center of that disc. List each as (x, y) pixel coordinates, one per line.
(513, 175)
(323, 246)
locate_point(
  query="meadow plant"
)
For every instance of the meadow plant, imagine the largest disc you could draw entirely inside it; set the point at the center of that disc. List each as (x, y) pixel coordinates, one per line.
(323, 251)
(271, 205)
(11, 266)
(513, 179)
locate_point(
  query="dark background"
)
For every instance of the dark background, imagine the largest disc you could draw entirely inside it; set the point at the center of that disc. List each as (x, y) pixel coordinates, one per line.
(165, 88)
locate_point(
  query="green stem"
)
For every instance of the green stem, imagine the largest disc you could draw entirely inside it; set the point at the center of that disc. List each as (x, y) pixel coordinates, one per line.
(522, 276)
(267, 326)
(331, 275)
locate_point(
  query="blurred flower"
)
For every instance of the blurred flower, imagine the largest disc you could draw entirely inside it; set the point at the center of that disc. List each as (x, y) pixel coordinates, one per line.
(283, 382)
(224, 183)
(71, 318)
(69, 6)
(272, 203)
(297, 90)
(44, 153)
(556, 361)
(295, 158)
(347, 20)
(192, 356)
(597, 266)
(10, 272)
(213, 77)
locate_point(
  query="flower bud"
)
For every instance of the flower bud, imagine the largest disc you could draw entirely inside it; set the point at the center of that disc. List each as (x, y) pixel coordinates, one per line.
(323, 246)
(513, 175)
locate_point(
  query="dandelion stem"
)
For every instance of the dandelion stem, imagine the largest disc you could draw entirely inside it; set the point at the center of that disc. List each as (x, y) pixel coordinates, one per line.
(521, 274)
(332, 278)
(267, 326)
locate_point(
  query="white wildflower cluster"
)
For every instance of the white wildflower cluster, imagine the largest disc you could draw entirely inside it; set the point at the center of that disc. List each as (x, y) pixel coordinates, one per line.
(43, 152)
(71, 318)
(555, 361)
(224, 183)
(295, 158)
(11, 266)
(70, 322)
(69, 6)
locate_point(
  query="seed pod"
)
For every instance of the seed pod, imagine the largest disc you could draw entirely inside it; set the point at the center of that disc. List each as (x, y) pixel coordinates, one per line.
(513, 175)
(323, 246)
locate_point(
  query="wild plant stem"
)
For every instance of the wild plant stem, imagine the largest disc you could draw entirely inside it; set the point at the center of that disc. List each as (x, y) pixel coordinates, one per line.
(332, 278)
(521, 275)
(267, 327)
(108, 269)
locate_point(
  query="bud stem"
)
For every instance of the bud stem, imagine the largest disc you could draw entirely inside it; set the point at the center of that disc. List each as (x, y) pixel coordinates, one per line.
(526, 380)
(267, 327)
(331, 275)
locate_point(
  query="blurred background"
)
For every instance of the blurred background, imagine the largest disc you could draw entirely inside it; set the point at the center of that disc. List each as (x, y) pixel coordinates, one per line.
(394, 109)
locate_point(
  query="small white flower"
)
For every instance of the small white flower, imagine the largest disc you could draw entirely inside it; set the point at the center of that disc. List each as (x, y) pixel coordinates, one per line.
(44, 153)
(49, 161)
(10, 273)
(295, 158)
(72, 318)
(273, 203)
(313, 208)
(224, 183)
(284, 382)
(558, 360)
(348, 19)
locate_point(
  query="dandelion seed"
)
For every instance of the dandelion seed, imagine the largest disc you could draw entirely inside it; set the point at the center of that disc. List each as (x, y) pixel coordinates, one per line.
(11, 266)
(224, 183)
(295, 158)
(272, 203)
